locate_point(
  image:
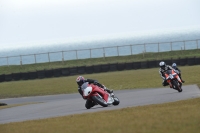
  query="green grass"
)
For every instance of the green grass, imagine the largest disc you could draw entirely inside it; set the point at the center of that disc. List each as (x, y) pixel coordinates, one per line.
(95, 61)
(129, 79)
(176, 117)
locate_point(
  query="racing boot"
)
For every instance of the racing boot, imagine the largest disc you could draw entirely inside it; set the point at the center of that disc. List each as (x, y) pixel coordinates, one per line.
(182, 79)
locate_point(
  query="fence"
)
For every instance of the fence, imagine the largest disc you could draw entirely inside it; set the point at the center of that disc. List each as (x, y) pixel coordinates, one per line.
(99, 52)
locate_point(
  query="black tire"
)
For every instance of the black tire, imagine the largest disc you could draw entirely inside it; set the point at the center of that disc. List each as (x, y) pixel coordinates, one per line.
(177, 87)
(3, 104)
(100, 101)
(89, 104)
(116, 101)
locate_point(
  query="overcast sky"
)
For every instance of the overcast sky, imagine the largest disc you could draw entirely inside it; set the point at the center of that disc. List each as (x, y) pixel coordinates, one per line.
(50, 21)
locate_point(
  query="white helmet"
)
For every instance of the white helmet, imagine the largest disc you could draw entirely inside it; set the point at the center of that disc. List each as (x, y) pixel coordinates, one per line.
(162, 65)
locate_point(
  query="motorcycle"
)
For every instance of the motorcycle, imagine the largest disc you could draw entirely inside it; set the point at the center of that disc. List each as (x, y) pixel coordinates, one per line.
(98, 96)
(174, 80)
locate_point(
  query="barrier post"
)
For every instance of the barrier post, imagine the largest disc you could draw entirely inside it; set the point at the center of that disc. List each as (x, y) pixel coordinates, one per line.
(76, 54)
(35, 58)
(131, 49)
(171, 45)
(48, 57)
(90, 53)
(117, 50)
(104, 53)
(7, 61)
(62, 57)
(184, 45)
(20, 60)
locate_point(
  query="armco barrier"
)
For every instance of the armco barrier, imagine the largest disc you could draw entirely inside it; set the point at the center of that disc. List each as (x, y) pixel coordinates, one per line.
(73, 70)
(2, 78)
(25, 75)
(105, 68)
(57, 72)
(16, 76)
(144, 64)
(113, 67)
(183, 62)
(191, 61)
(65, 71)
(81, 70)
(152, 64)
(137, 65)
(197, 60)
(129, 66)
(41, 74)
(96, 69)
(120, 66)
(8, 77)
(89, 69)
(32, 75)
(48, 73)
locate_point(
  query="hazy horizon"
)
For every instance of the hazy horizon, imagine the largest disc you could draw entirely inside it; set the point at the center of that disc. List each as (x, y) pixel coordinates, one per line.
(40, 22)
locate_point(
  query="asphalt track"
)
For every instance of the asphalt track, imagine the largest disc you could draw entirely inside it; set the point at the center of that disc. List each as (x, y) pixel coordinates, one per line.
(68, 104)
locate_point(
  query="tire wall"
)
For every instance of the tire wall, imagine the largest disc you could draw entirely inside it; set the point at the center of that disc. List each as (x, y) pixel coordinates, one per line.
(95, 69)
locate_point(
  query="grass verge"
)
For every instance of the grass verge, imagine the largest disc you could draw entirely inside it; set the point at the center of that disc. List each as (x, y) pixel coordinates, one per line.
(176, 117)
(130, 79)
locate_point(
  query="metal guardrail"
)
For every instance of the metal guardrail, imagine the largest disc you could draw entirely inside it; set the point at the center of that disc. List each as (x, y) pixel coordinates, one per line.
(99, 52)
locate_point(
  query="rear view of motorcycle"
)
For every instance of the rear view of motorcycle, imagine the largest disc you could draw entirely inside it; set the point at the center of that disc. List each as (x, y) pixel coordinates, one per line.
(97, 96)
(173, 80)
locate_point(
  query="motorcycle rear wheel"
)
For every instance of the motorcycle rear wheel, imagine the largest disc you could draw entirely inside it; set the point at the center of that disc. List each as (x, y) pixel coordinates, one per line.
(100, 101)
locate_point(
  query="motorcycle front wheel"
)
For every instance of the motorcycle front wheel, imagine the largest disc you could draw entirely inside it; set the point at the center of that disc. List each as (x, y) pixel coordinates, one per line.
(116, 101)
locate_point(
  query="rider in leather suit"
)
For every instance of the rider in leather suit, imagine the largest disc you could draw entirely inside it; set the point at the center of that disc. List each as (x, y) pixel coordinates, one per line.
(174, 66)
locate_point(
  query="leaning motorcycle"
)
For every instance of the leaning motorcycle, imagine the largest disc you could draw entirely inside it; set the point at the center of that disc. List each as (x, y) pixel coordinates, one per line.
(174, 80)
(98, 96)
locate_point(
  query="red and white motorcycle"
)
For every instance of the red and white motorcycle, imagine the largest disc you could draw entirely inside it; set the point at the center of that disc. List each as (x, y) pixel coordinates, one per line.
(98, 95)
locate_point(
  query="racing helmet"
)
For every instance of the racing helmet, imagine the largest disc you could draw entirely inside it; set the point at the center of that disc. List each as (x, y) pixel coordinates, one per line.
(174, 65)
(80, 80)
(162, 65)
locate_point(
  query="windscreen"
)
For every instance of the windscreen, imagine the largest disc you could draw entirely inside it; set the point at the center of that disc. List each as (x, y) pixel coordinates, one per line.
(169, 71)
(85, 85)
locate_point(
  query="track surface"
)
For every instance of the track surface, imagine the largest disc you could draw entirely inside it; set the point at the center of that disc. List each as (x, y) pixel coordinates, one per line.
(67, 104)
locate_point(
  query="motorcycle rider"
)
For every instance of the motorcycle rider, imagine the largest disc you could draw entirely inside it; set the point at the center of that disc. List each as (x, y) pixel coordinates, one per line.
(162, 70)
(174, 66)
(80, 80)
